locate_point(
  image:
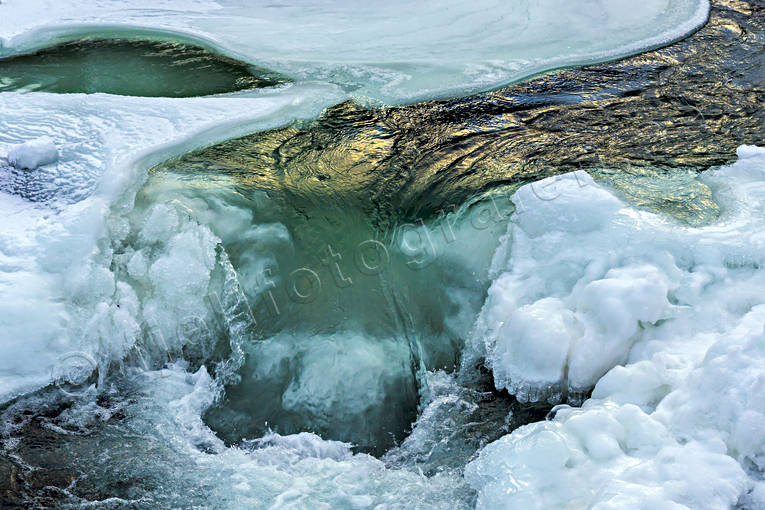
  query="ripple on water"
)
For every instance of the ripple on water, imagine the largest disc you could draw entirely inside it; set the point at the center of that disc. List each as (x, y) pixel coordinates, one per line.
(131, 68)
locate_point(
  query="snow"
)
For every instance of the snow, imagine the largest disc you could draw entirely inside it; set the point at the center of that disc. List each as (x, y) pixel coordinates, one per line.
(33, 154)
(666, 322)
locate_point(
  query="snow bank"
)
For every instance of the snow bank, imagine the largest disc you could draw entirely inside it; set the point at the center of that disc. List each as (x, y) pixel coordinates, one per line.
(681, 422)
(33, 154)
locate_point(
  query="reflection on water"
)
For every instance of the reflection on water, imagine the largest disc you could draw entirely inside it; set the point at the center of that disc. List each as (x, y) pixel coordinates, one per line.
(684, 107)
(130, 68)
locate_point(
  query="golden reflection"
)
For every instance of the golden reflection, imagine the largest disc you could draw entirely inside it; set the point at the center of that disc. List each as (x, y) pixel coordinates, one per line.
(686, 106)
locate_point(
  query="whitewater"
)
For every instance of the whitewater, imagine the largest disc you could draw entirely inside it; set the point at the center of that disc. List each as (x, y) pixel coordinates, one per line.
(646, 333)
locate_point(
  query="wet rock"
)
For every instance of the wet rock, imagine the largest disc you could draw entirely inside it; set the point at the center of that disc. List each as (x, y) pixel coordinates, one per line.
(10, 485)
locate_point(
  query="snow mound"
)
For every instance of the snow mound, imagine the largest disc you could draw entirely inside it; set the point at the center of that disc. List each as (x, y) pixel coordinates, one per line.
(33, 154)
(666, 322)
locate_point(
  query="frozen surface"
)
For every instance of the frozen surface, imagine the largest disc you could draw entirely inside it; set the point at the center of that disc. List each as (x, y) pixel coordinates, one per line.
(666, 322)
(55, 282)
(390, 51)
(30, 155)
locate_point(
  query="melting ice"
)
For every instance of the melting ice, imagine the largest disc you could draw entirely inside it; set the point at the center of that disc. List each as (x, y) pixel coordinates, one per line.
(395, 52)
(654, 326)
(666, 322)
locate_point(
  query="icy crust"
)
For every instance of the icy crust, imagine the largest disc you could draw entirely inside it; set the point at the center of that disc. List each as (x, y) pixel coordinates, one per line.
(58, 294)
(604, 458)
(578, 288)
(95, 133)
(395, 52)
(673, 342)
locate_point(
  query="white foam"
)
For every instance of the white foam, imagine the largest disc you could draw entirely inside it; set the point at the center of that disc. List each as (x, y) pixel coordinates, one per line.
(275, 471)
(392, 51)
(666, 322)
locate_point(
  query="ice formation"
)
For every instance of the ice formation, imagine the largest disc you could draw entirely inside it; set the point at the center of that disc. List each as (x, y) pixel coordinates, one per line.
(54, 219)
(392, 51)
(662, 322)
(33, 154)
(672, 341)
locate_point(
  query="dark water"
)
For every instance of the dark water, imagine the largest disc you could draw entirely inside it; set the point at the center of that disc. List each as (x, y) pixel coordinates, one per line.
(130, 68)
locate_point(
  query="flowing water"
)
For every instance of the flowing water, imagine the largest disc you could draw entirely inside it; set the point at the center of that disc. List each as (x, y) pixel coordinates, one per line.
(291, 294)
(347, 310)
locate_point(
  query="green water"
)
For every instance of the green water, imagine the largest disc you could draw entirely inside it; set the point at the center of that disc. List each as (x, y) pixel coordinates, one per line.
(130, 68)
(344, 311)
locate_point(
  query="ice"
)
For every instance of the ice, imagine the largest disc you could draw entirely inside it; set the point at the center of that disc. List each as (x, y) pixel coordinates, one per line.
(575, 291)
(33, 154)
(604, 458)
(97, 132)
(676, 418)
(568, 203)
(57, 292)
(393, 52)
